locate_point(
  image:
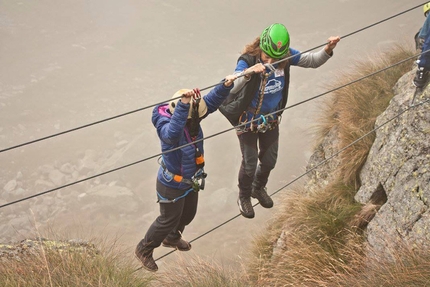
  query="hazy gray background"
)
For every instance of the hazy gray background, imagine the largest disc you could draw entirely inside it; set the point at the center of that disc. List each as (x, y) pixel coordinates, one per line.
(68, 63)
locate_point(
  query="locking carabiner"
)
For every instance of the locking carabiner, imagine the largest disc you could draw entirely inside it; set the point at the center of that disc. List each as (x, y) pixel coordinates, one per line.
(262, 127)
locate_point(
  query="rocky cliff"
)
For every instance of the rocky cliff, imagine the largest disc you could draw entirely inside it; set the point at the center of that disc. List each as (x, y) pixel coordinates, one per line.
(395, 179)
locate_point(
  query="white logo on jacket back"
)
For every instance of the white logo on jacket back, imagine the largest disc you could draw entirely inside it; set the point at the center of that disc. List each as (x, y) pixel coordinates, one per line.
(273, 86)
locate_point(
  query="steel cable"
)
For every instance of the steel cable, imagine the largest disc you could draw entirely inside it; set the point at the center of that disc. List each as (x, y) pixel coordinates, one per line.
(208, 137)
(206, 88)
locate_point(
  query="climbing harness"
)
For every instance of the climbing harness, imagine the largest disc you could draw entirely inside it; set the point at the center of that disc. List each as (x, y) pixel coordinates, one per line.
(197, 182)
(196, 186)
(259, 124)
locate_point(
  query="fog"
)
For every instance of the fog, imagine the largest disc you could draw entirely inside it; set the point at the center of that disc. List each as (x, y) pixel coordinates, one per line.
(64, 64)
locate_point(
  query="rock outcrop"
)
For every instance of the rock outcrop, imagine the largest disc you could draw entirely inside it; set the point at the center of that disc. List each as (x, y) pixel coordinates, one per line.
(21, 250)
(396, 176)
(397, 173)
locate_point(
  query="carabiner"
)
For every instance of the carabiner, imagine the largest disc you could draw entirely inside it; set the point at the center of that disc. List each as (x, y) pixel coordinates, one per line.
(197, 96)
(262, 128)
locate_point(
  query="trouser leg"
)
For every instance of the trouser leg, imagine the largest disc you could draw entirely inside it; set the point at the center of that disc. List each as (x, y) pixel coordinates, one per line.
(268, 145)
(188, 212)
(168, 220)
(424, 59)
(248, 147)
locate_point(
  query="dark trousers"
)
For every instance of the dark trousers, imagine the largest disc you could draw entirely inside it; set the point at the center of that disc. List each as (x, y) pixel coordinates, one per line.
(172, 219)
(257, 147)
(424, 59)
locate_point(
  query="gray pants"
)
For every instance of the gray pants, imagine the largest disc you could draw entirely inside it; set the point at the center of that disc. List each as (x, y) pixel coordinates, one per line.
(256, 147)
(172, 219)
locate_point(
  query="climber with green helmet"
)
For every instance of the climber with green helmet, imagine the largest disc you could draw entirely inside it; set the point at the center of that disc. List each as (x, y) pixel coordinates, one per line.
(261, 91)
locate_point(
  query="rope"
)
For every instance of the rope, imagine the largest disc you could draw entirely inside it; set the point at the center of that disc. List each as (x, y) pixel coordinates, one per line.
(206, 88)
(208, 137)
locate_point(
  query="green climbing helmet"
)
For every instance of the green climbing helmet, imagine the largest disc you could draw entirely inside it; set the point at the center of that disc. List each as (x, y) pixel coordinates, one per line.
(275, 41)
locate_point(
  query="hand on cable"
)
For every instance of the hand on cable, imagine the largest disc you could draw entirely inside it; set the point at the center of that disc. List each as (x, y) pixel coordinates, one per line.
(185, 98)
(256, 69)
(229, 80)
(332, 42)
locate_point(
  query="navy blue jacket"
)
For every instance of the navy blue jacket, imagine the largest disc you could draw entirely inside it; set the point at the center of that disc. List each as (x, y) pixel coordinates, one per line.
(171, 131)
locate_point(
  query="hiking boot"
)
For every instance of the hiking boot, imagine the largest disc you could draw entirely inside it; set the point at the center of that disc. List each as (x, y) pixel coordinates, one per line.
(179, 244)
(262, 196)
(421, 77)
(147, 260)
(245, 207)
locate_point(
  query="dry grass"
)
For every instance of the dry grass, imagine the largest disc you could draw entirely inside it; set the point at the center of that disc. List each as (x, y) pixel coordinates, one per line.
(315, 240)
(407, 268)
(200, 273)
(319, 244)
(49, 265)
(354, 109)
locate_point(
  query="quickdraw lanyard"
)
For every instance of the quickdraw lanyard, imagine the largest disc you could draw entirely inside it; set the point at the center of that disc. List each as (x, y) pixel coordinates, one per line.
(262, 125)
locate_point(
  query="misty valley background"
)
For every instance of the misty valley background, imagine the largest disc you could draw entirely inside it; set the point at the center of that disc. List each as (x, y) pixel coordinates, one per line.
(69, 63)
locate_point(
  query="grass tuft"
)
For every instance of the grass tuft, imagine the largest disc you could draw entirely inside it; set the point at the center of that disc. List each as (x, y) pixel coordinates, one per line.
(55, 263)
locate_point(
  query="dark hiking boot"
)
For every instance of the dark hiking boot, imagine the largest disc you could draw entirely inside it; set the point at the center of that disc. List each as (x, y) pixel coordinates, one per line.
(421, 77)
(262, 196)
(179, 244)
(245, 207)
(147, 260)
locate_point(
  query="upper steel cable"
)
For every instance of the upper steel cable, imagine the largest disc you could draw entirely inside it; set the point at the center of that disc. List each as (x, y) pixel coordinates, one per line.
(208, 87)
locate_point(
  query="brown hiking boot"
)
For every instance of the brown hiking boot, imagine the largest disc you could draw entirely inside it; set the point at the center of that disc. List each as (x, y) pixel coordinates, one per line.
(147, 260)
(262, 196)
(179, 244)
(245, 207)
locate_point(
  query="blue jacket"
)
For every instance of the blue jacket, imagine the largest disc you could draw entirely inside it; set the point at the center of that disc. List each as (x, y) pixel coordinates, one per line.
(275, 89)
(241, 104)
(171, 131)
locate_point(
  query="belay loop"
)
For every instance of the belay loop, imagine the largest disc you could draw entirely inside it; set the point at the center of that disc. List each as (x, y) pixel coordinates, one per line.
(263, 123)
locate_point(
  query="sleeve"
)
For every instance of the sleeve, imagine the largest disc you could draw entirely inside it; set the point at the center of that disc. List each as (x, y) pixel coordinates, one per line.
(313, 59)
(240, 82)
(216, 96)
(295, 56)
(425, 29)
